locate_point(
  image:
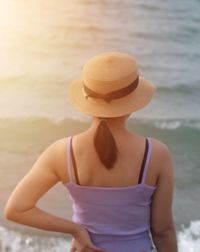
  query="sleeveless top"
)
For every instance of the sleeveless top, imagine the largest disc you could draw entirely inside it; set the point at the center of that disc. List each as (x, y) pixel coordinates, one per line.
(112, 210)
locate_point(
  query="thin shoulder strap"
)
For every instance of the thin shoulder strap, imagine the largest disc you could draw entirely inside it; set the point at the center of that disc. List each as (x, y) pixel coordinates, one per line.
(74, 162)
(145, 161)
(69, 157)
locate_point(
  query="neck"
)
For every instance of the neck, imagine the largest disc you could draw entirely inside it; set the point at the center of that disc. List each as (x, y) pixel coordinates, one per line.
(116, 125)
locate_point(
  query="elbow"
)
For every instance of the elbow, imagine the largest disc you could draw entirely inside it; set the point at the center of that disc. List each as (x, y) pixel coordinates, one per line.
(14, 212)
(161, 232)
(9, 212)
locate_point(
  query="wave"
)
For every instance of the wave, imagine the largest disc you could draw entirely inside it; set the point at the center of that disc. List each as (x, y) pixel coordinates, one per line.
(192, 30)
(15, 241)
(172, 124)
(181, 89)
(157, 122)
(6, 79)
(22, 135)
(169, 124)
(189, 238)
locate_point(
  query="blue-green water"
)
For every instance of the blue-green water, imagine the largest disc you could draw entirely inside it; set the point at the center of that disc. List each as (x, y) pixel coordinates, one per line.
(43, 45)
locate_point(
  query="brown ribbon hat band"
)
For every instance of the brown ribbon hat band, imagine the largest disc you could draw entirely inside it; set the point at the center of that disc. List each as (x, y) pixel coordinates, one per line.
(114, 94)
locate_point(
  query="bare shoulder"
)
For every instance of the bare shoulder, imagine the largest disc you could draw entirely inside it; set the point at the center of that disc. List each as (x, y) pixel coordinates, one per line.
(56, 153)
(161, 156)
(56, 149)
(160, 149)
(59, 145)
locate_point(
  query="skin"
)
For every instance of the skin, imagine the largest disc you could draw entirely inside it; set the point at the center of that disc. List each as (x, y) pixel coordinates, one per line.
(50, 168)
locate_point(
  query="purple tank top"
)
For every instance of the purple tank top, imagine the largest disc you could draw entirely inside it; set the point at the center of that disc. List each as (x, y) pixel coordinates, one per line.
(117, 211)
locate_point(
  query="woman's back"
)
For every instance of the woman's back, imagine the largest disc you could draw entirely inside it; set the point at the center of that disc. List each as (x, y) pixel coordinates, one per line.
(126, 170)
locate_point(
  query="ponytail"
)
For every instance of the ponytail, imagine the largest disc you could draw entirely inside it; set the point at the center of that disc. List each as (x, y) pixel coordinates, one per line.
(105, 145)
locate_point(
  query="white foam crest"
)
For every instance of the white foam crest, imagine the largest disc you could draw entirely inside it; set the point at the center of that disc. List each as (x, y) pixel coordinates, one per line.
(175, 124)
(189, 238)
(168, 125)
(17, 242)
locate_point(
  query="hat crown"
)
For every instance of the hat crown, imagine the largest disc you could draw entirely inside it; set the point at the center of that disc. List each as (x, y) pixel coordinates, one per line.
(110, 71)
(111, 86)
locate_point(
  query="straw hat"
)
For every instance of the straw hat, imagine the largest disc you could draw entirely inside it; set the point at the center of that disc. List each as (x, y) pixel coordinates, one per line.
(111, 86)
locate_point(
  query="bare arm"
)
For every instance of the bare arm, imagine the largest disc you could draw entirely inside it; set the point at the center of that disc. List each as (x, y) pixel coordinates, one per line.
(21, 206)
(162, 225)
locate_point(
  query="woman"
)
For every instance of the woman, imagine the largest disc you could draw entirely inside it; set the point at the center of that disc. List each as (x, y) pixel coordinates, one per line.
(121, 183)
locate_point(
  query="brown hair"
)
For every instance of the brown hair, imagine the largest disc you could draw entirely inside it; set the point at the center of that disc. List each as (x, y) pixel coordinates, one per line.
(105, 145)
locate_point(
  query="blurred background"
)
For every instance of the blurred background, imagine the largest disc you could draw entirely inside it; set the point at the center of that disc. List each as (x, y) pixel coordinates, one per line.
(43, 46)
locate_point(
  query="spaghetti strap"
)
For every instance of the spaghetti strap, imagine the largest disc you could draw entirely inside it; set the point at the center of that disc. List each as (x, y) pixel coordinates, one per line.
(74, 162)
(147, 159)
(143, 162)
(69, 157)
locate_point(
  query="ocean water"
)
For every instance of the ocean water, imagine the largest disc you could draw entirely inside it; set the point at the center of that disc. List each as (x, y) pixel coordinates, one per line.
(43, 45)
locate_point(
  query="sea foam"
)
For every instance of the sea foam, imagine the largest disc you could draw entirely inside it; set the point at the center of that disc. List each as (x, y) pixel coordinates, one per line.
(189, 238)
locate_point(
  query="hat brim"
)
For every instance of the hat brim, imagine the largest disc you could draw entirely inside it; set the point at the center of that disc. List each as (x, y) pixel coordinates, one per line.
(136, 100)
